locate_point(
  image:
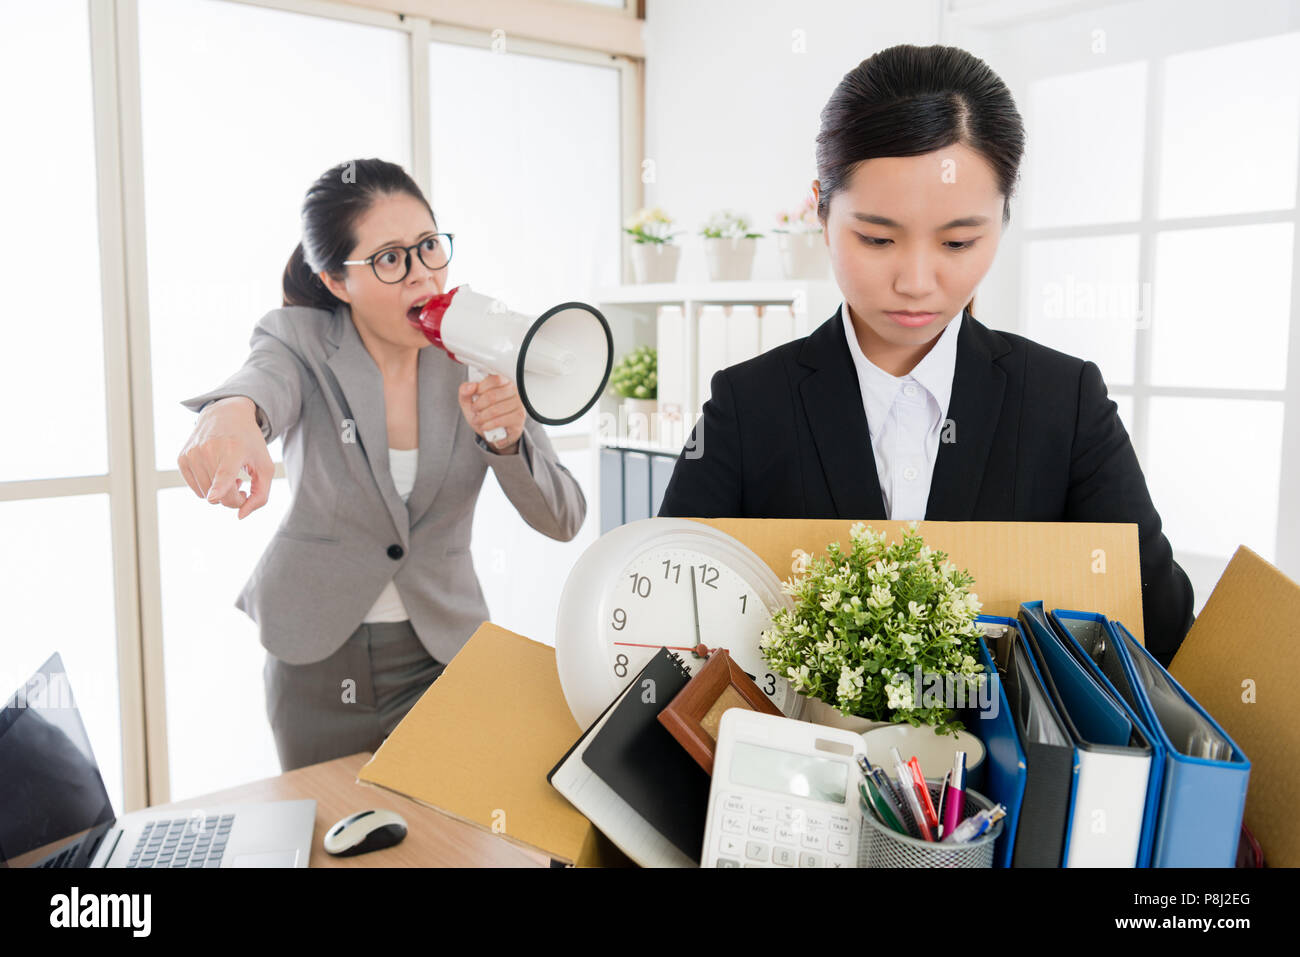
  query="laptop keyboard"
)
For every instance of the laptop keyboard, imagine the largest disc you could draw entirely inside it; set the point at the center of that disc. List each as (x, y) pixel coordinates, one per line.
(62, 857)
(183, 842)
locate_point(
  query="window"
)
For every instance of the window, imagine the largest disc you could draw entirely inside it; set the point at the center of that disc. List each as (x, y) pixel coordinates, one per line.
(1160, 219)
(526, 171)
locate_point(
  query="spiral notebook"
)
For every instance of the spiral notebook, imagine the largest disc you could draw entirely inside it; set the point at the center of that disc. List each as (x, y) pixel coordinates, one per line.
(632, 779)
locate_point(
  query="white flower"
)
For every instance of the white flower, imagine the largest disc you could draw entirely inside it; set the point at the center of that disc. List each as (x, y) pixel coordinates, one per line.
(880, 597)
(850, 684)
(899, 696)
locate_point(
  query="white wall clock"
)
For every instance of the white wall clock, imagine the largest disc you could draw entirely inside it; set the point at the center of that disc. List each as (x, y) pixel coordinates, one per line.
(663, 582)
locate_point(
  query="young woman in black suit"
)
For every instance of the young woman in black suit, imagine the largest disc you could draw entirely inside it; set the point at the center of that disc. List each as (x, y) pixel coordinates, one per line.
(932, 416)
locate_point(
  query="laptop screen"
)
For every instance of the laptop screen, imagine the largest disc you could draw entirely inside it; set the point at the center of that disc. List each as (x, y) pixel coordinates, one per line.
(50, 785)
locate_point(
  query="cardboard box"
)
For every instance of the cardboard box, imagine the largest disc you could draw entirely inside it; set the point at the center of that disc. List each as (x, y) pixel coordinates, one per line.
(479, 743)
(1240, 660)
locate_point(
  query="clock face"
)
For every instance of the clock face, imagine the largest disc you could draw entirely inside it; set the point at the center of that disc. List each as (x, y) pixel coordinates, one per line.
(667, 586)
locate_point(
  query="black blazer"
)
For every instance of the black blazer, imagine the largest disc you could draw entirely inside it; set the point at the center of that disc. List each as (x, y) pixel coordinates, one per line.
(1036, 440)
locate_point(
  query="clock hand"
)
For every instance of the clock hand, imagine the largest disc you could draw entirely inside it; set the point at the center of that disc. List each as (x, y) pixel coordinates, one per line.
(695, 602)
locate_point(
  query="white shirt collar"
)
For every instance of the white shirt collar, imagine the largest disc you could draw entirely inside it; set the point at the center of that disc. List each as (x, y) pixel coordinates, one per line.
(934, 372)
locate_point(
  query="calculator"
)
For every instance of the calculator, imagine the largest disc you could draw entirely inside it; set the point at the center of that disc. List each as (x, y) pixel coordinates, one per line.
(784, 794)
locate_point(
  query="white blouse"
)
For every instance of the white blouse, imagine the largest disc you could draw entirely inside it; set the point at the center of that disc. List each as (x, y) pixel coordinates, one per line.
(388, 606)
(905, 418)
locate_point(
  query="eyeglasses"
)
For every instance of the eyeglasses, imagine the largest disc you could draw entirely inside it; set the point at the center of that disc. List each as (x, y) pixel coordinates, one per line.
(392, 264)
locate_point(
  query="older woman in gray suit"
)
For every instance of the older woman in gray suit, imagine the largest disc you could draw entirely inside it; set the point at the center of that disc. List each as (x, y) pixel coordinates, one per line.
(367, 588)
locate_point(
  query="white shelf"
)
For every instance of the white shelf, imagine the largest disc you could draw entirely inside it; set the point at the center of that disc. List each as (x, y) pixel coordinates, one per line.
(633, 313)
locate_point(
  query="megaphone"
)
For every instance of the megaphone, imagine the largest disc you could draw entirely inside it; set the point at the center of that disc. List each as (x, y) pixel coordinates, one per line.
(560, 361)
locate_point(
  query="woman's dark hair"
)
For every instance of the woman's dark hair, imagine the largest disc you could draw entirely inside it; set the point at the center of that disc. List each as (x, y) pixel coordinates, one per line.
(908, 100)
(330, 211)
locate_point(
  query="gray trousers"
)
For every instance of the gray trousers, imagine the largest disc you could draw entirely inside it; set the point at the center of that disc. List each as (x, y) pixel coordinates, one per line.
(350, 701)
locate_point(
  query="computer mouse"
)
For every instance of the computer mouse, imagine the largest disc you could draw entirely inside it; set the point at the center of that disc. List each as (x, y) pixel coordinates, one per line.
(364, 832)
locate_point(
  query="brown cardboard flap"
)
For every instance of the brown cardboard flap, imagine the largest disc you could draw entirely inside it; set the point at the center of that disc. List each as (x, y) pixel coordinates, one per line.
(479, 744)
(1083, 566)
(1240, 661)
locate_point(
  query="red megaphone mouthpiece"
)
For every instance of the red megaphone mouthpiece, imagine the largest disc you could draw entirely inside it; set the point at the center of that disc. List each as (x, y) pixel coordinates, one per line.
(429, 320)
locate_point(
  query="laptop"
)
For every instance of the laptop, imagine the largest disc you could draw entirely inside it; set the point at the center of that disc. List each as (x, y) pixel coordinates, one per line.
(55, 811)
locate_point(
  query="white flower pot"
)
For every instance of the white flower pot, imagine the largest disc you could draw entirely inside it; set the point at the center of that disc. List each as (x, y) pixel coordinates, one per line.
(817, 711)
(803, 255)
(730, 258)
(655, 262)
(641, 419)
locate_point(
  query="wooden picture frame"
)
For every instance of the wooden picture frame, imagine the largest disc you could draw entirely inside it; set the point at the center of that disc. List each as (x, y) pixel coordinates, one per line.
(692, 716)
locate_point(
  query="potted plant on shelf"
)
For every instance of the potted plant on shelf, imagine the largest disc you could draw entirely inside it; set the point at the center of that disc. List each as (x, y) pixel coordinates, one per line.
(801, 244)
(728, 246)
(865, 622)
(654, 254)
(636, 379)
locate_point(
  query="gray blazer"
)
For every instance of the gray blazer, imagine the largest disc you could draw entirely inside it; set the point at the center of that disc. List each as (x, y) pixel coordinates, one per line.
(347, 531)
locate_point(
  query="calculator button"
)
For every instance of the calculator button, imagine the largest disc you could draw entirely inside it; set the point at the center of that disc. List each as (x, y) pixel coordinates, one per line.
(810, 860)
(756, 851)
(838, 845)
(840, 825)
(783, 856)
(734, 823)
(814, 839)
(762, 810)
(785, 834)
(730, 846)
(816, 820)
(838, 862)
(785, 814)
(753, 865)
(734, 802)
(761, 828)
(726, 862)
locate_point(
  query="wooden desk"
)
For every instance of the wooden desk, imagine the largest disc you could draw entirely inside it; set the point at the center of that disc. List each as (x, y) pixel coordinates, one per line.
(432, 839)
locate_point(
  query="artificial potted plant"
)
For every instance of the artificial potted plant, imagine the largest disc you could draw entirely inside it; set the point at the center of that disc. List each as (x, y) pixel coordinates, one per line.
(865, 620)
(728, 246)
(654, 254)
(801, 244)
(636, 379)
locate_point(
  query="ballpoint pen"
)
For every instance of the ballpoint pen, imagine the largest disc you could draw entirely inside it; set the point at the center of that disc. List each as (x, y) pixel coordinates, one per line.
(881, 801)
(976, 825)
(909, 793)
(954, 794)
(923, 793)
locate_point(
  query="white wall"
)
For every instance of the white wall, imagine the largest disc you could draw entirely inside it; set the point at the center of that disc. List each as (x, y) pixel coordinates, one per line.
(733, 105)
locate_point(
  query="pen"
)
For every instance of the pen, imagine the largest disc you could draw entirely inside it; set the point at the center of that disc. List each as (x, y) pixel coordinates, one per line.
(923, 792)
(954, 795)
(976, 825)
(884, 812)
(885, 788)
(909, 793)
(880, 799)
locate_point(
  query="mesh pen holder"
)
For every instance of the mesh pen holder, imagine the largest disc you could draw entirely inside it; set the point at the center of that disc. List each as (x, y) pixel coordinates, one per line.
(881, 846)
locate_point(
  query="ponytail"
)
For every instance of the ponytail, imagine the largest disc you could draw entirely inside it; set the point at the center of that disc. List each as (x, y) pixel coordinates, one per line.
(302, 287)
